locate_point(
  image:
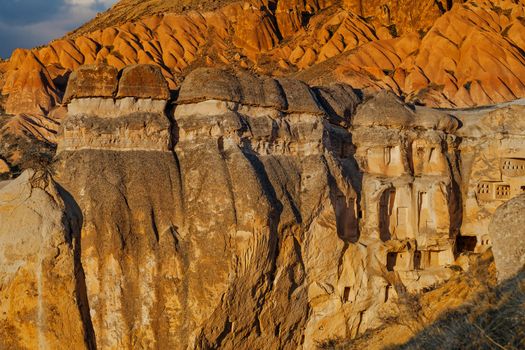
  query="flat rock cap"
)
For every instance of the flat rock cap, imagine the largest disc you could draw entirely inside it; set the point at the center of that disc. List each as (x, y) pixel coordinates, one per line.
(238, 86)
(388, 110)
(92, 81)
(384, 109)
(210, 84)
(241, 86)
(143, 81)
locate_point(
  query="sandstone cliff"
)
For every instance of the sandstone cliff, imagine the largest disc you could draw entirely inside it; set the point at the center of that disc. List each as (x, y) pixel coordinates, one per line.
(252, 212)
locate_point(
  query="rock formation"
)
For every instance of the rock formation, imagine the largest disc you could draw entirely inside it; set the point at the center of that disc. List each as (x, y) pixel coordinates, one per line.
(249, 212)
(195, 202)
(491, 156)
(4, 167)
(210, 245)
(30, 88)
(506, 234)
(409, 186)
(43, 298)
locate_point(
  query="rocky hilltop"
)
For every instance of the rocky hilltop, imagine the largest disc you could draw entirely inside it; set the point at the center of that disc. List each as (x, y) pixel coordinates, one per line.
(252, 212)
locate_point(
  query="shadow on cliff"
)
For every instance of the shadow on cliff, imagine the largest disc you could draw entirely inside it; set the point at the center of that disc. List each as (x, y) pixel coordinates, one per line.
(74, 221)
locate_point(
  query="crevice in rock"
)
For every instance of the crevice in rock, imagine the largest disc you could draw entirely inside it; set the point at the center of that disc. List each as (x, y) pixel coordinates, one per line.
(224, 156)
(74, 221)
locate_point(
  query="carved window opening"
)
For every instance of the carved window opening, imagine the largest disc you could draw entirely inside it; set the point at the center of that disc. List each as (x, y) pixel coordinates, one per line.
(386, 207)
(522, 188)
(513, 167)
(387, 292)
(417, 260)
(346, 295)
(391, 259)
(388, 155)
(483, 188)
(502, 191)
(346, 221)
(466, 243)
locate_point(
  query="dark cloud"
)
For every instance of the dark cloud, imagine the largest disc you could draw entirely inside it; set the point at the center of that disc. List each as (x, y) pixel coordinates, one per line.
(21, 12)
(29, 23)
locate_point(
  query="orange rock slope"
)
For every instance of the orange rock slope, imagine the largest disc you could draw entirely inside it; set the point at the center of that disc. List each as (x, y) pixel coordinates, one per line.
(472, 55)
(439, 53)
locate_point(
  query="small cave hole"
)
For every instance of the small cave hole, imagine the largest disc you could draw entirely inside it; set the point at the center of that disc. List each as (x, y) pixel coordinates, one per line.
(387, 292)
(346, 294)
(391, 259)
(466, 243)
(417, 260)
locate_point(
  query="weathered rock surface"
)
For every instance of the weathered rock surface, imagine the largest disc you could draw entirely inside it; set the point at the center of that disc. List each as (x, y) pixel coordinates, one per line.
(409, 188)
(42, 293)
(92, 81)
(101, 118)
(261, 212)
(507, 232)
(4, 167)
(30, 88)
(143, 81)
(492, 154)
(205, 246)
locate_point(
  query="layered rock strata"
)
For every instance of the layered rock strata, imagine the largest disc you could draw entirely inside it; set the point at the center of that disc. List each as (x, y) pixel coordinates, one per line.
(410, 198)
(254, 212)
(103, 114)
(217, 236)
(440, 53)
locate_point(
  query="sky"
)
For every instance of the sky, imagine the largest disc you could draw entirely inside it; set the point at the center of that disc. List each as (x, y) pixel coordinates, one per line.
(29, 23)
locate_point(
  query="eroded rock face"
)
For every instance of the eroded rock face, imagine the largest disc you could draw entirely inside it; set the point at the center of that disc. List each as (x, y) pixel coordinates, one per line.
(261, 212)
(143, 81)
(409, 187)
(507, 232)
(41, 282)
(492, 160)
(220, 249)
(425, 49)
(30, 89)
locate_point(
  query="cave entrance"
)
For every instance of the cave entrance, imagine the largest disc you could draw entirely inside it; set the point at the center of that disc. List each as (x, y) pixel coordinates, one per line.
(417, 260)
(466, 243)
(346, 220)
(391, 260)
(386, 207)
(346, 295)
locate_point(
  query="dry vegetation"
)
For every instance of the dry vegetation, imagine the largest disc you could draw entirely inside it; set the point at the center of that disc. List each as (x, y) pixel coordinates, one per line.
(491, 316)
